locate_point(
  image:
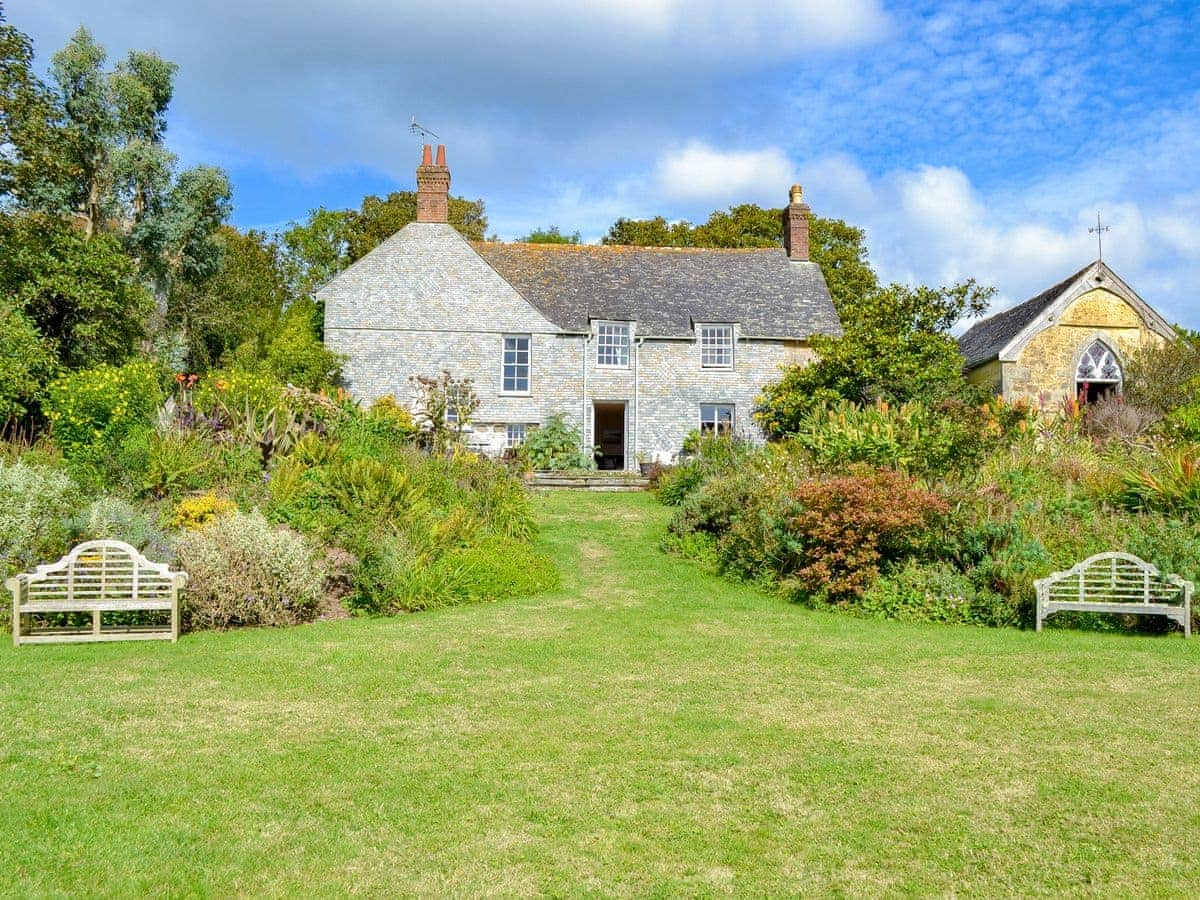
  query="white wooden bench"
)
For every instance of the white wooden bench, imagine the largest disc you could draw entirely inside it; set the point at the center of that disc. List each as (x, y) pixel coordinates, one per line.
(1116, 583)
(97, 577)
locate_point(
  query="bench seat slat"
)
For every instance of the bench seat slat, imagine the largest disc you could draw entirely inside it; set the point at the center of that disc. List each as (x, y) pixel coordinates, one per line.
(60, 606)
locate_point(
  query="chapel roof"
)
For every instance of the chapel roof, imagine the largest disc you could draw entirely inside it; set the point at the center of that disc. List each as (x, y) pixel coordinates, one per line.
(667, 290)
(984, 340)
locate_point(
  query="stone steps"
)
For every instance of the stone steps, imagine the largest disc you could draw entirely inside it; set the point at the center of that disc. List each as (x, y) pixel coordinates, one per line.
(587, 481)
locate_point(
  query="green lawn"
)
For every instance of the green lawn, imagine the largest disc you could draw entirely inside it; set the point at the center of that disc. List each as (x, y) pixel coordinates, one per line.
(647, 729)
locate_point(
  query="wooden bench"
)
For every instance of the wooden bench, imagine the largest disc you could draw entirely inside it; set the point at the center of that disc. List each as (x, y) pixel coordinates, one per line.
(97, 577)
(1116, 583)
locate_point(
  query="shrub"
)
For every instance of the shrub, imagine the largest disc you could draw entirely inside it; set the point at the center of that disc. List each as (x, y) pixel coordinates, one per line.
(1113, 419)
(35, 502)
(177, 462)
(243, 571)
(496, 569)
(1183, 424)
(234, 389)
(26, 361)
(554, 446)
(936, 592)
(711, 455)
(111, 518)
(914, 437)
(1169, 484)
(196, 512)
(297, 355)
(375, 490)
(98, 407)
(842, 529)
(393, 418)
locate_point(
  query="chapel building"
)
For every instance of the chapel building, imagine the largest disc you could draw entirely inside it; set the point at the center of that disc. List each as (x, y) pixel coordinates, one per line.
(1072, 340)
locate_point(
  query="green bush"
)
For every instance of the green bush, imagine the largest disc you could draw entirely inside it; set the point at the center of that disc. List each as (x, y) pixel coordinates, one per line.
(177, 462)
(397, 577)
(933, 440)
(298, 356)
(26, 361)
(711, 455)
(94, 409)
(234, 389)
(35, 504)
(935, 592)
(244, 571)
(554, 446)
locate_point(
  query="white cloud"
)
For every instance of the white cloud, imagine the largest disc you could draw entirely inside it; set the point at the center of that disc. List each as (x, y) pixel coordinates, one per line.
(698, 172)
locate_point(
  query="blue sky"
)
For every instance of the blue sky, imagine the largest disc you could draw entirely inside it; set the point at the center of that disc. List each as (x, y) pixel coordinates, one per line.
(969, 139)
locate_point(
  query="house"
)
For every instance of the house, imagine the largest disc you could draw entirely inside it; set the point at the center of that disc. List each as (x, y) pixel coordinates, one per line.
(1070, 340)
(634, 346)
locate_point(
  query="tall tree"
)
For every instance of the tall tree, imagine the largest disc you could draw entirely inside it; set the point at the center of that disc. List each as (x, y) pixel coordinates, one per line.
(83, 296)
(33, 160)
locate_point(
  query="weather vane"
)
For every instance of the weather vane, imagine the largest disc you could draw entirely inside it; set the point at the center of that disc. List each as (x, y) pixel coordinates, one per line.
(1098, 231)
(417, 128)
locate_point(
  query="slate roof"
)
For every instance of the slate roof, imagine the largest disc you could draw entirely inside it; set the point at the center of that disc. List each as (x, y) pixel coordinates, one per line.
(984, 340)
(666, 290)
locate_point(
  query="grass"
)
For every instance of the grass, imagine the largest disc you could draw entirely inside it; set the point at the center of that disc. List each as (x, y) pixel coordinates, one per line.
(649, 728)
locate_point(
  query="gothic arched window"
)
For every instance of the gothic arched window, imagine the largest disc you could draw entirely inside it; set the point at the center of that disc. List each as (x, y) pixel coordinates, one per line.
(1099, 373)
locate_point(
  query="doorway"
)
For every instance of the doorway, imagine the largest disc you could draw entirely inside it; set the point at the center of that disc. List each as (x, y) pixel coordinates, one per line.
(609, 435)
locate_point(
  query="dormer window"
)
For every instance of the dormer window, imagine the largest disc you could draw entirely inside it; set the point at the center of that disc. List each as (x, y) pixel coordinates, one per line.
(716, 346)
(612, 345)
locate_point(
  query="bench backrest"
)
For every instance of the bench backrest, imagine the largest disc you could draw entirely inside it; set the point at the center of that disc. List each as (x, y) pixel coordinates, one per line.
(1114, 578)
(99, 570)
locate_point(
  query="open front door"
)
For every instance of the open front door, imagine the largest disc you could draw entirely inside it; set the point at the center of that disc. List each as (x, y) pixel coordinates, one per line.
(609, 432)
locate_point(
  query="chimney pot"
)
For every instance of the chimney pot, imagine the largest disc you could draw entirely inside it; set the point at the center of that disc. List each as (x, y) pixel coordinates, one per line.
(427, 156)
(441, 155)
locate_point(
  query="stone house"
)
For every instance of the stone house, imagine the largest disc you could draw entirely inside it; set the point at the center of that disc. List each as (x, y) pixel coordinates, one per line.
(634, 346)
(1070, 340)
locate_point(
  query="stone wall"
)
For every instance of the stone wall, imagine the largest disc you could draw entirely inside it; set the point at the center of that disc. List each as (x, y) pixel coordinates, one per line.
(662, 388)
(1046, 364)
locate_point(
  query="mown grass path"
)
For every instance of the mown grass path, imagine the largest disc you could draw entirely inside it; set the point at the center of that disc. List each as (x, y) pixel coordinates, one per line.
(648, 728)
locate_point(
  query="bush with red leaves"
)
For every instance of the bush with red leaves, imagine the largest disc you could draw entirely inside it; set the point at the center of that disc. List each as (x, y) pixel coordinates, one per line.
(842, 529)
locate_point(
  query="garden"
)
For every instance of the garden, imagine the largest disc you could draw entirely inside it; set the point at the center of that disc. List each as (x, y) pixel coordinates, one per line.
(947, 509)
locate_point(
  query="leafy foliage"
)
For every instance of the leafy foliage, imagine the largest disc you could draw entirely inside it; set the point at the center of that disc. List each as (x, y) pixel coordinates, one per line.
(554, 446)
(35, 502)
(244, 571)
(81, 295)
(98, 407)
(551, 235)
(896, 346)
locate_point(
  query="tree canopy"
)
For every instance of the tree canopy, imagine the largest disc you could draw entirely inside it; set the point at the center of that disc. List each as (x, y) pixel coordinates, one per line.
(896, 346)
(550, 235)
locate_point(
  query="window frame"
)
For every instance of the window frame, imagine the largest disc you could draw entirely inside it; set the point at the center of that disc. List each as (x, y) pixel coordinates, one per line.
(715, 328)
(509, 443)
(627, 327)
(715, 422)
(528, 364)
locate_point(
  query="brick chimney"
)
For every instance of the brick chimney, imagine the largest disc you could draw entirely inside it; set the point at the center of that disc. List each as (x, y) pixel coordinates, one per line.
(795, 225)
(433, 186)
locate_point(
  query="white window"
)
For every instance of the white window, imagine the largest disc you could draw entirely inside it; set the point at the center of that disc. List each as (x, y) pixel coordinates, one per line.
(716, 346)
(612, 344)
(515, 377)
(716, 418)
(516, 434)
(1099, 374)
